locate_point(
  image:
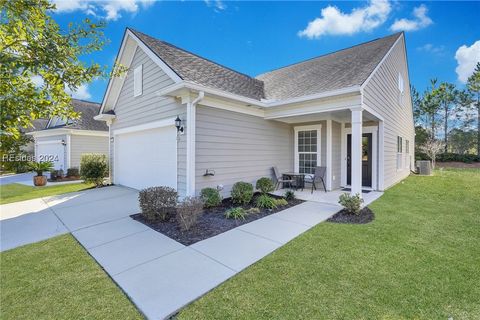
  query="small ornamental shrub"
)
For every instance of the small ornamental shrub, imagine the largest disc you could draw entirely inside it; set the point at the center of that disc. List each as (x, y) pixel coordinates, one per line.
(41, 167)
(94, 168)
(281, 202)
(266, 202)
(157, 203)
(253, 210)
(73, 172)
(289, 195)
(351, 204)
(188, 212)
(236, 213)
(265, 185)
(242, 193)
(56, 174)
(211, 197)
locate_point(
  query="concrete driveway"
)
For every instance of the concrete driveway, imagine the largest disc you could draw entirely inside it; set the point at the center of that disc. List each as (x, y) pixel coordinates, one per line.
(16, 178)
(39, 219)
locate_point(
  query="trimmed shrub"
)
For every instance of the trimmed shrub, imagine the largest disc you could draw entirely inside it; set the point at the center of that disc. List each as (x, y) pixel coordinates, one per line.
(211, 197)
(56, 174)
(242, 192)
(265, 185)
(157, 203)
(94, 168)
(281, 202)
(236, 213)
(188, 212)
(73, 172)
(352, 204)
(266, 202)
(289, 195)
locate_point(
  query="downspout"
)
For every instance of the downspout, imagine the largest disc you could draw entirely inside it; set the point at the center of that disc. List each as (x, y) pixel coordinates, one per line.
(191, 132)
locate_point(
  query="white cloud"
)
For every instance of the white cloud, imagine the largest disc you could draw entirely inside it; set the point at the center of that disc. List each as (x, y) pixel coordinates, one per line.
(108, 9)
(218, 4)
(421, 20)
(430, 48)
(335, 22)
(467, 58)
(81, 92)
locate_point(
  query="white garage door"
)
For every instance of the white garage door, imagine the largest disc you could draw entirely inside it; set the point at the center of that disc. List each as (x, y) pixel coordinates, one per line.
(51, 151)
(146, 158)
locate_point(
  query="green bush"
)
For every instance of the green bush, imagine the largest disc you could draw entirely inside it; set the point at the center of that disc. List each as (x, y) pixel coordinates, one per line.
(236, 213)
(352, 204)
(56, 174)
(281, 202)
(73, 172)
(188, 212)
(94, 168)
(265, 185)
(266, 202)
(289, 195)
(448, 157)
(211, 197)
(157, 203)
(242, 193)
(41, 167)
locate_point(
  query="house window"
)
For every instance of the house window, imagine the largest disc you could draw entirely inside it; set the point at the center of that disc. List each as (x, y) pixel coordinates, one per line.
(307, 155)
(401, 89)
(399, 152)
(407, 154)
(138, 81)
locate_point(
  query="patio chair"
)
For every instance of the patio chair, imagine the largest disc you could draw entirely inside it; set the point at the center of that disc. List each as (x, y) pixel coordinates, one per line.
(318, 176)
(280, 178)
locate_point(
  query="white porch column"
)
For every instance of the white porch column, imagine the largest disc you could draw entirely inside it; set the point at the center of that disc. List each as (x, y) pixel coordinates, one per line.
(356, 154)
(329, 155)
(381, 156)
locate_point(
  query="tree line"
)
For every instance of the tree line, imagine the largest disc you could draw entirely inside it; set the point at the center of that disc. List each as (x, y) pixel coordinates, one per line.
(447, 118)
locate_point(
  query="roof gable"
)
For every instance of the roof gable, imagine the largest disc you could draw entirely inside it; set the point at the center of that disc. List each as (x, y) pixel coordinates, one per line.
(87, 111)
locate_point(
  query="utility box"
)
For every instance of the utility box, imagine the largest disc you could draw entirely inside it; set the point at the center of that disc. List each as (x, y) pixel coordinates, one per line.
(424, 167)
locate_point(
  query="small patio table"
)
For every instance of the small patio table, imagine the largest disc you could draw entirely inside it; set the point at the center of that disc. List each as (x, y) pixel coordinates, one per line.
(297, 177)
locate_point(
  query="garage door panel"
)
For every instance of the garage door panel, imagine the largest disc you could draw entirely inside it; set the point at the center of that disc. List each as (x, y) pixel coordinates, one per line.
(146, 158)
(54, 152)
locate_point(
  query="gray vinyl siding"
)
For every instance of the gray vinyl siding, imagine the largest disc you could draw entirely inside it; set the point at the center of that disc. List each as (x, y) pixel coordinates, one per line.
(149, 107)
(336, 154)
(86, 144)
(239, 147)
(381, 94)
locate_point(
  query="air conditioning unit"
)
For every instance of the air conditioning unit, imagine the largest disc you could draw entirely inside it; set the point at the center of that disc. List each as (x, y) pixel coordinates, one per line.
(424, 167)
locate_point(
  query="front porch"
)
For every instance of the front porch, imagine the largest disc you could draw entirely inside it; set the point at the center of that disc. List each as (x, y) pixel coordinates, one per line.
(330, 197)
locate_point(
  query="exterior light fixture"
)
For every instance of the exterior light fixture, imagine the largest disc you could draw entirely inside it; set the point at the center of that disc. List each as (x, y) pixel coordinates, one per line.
(64, 143)
(111, 139)
(178, 125)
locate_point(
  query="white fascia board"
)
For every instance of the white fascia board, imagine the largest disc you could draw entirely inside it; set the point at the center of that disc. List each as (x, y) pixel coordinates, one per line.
(95, 133)
(60, 131)
(49, 142)
(326, 94)
(146, 126)
(364, 84)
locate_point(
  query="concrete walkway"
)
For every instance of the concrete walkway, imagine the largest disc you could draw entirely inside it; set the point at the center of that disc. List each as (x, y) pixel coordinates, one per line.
(159, 274)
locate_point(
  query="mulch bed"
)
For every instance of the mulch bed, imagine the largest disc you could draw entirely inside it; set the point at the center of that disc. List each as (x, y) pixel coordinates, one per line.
(365, 216)
(72, 178)
(211, 222)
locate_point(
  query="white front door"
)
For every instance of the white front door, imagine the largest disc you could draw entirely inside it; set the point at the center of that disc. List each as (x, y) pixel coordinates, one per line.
(307, 148)
(53, 151)
(146, 158)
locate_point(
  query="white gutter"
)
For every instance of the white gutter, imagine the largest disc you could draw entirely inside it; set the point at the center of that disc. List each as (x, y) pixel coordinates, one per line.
(191, 127)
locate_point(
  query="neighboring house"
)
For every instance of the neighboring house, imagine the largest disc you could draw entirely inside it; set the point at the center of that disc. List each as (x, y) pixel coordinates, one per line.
(64, 141)
(349, 110)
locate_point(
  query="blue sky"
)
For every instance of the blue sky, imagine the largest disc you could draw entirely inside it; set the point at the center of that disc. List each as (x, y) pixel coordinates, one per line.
(443, 38)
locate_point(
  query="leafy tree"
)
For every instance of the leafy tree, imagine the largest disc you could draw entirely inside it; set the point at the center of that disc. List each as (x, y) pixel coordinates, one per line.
(447, 95)
(473, 87)
(430, 106)
(421, 135)
(432, 148)
(461, 141)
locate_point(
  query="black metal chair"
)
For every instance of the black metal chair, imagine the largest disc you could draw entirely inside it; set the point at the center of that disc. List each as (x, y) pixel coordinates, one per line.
(280, 178)
(318, 176)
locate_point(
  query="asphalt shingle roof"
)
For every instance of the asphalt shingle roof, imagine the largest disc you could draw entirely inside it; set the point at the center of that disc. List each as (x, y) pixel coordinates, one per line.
(87, 111)
(341, 69)
(191, 67)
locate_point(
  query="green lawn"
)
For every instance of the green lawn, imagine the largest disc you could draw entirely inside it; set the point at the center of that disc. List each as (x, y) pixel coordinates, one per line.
(18, 192)
(420, 259)
(57, 279)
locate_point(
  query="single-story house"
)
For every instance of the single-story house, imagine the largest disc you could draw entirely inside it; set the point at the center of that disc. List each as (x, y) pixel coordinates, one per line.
(349, 111)
(63, 141)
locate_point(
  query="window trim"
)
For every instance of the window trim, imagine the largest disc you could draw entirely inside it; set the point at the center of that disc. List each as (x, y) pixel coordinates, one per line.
(138, 81)
(317, 127)
(399, 163)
